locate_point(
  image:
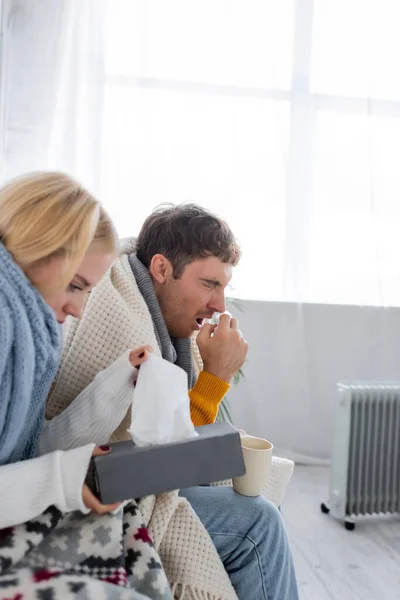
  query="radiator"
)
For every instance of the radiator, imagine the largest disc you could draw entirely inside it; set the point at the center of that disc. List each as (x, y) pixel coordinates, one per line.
(365, 468)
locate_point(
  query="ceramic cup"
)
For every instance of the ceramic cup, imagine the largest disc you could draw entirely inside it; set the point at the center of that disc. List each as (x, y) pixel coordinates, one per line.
(257, 455)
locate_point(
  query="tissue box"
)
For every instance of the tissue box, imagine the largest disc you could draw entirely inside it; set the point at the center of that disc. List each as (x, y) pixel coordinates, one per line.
(130, 471)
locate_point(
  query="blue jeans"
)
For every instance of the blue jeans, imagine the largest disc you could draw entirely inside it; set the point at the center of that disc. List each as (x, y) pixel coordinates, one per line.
(250, 538)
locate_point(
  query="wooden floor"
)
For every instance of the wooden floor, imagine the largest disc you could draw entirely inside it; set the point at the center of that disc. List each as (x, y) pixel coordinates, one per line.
(332, 563)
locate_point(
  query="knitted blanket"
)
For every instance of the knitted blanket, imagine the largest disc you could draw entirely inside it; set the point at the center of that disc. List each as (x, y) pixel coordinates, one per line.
(116, 319)
(56, 557)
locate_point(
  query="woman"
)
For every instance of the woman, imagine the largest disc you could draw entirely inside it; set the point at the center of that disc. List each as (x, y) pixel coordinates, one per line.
(56, 242)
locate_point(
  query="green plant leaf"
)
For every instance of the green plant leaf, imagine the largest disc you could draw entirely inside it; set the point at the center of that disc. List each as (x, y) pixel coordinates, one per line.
(235, 303)
(237, 376)
(224, 413)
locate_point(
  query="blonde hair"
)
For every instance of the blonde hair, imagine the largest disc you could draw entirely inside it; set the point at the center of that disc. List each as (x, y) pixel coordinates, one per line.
(47, 215)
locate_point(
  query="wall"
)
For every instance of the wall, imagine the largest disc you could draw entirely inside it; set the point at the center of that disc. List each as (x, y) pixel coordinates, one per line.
(297, 355)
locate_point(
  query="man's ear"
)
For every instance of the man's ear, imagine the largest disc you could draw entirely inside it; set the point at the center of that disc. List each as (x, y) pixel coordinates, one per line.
(160, 268)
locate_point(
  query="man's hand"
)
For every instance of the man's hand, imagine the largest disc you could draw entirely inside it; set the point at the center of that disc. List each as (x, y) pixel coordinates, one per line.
(222, 348)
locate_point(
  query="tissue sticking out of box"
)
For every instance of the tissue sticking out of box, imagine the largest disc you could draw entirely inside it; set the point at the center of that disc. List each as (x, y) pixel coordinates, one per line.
(161, 405)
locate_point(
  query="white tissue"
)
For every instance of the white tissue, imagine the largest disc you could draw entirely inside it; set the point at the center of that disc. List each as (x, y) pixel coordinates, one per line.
(161, 408)
(216, 317)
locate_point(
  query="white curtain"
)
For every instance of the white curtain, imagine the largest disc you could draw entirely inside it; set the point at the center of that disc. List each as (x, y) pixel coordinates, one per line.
(52, 86)
(284, 117)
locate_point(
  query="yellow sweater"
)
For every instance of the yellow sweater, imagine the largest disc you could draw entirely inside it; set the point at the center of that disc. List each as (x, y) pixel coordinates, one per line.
(205, 398)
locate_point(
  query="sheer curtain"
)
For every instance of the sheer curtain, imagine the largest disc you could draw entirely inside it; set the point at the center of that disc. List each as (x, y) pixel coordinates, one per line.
(283, 117)
(51, 87)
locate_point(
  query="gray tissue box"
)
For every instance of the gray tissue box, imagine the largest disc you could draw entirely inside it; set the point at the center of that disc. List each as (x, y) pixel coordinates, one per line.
(130, 471)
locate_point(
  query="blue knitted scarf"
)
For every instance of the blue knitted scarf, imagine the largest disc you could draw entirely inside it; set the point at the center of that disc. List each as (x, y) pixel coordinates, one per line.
(30, 347)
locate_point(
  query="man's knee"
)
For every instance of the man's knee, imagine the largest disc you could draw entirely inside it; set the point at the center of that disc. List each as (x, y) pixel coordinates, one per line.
(265, 510)
(222, 509)
(265, 516)
(255, 519)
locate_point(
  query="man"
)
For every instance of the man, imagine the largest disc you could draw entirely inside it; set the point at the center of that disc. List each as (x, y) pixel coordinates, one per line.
(182, 265)
(183, 293)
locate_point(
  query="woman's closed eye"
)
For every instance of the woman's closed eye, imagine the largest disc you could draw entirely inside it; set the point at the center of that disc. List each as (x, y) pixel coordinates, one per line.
(73, 287)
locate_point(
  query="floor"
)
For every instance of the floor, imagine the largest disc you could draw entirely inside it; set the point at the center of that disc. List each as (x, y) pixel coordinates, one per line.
(332, 563)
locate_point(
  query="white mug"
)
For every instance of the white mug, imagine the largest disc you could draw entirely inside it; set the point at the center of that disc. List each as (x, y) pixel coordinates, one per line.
(257, 455)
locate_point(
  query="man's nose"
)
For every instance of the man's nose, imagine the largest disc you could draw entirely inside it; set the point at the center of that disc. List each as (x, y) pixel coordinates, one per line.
(217, 302)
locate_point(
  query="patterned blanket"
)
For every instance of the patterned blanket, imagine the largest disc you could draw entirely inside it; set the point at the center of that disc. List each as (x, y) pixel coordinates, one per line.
(89, 557)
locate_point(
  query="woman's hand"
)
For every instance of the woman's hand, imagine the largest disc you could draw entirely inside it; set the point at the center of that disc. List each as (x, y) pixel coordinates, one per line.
(136, 358)
(89, 499)
(139, 356)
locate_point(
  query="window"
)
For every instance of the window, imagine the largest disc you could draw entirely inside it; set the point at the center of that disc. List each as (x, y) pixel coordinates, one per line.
(255, 110)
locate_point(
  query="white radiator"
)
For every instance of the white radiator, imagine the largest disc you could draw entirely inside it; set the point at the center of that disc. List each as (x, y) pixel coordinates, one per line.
(365, 468)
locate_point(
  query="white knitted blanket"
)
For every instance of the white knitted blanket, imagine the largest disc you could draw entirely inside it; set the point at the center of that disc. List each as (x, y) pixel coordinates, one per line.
(116, 319)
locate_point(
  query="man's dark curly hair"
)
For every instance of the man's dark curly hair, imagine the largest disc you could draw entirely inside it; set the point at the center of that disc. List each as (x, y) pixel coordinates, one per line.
(183, 234)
